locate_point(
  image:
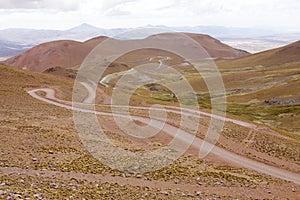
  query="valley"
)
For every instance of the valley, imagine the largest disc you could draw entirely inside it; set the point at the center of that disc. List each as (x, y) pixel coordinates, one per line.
(256, 156)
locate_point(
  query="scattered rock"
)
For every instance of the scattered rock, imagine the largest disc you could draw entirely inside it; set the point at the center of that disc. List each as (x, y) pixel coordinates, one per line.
(138, 176)
(145, 195)
(38, 196)
(18, 196)
(190, 195)
(279, 101)
(3, 192)
(293, 189)
(198, 193)
(217, 183)
(9, 198)
(53, 185)
(164, 192)
(200, 183)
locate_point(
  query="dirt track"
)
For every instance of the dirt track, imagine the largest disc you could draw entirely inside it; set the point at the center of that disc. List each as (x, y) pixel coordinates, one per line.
(183, 137)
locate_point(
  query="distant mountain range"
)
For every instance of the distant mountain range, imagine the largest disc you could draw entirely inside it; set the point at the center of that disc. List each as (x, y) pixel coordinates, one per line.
(14, 41)
(35, 36)
(7, 49)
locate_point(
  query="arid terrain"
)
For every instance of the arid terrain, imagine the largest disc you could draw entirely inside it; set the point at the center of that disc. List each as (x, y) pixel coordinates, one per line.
(257, 155)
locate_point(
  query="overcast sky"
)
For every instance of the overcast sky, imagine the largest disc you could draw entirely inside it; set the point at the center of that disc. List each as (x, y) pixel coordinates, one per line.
(64, 14)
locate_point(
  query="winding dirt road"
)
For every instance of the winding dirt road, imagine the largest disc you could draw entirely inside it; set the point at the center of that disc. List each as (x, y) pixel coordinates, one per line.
(181, 135)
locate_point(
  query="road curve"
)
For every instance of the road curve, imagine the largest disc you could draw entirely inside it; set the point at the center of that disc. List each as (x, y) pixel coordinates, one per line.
(183, 136)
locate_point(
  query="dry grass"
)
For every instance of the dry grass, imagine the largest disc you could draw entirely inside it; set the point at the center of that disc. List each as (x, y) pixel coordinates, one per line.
(37, 136)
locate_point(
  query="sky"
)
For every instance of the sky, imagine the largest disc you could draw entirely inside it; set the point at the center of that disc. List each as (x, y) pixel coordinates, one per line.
(65, 14)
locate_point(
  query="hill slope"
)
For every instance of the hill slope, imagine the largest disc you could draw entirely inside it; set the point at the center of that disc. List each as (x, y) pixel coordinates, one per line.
(70, 54)
(278, 56)
(265, 86)
(216, 48)
(63, 53)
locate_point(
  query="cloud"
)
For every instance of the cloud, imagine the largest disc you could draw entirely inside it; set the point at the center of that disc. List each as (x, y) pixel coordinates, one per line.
(65, 5)
(112, 4)
(117, 12)
(116, 7)
(133, 13)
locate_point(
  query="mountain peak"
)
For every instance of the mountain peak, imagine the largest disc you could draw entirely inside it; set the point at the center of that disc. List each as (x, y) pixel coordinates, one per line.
(84, 27)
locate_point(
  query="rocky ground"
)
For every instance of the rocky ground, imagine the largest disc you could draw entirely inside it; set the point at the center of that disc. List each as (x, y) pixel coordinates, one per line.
(42, 157)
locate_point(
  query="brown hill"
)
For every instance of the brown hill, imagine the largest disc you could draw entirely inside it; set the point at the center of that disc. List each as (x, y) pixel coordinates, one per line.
(63, 53)
(215, 48)
(278, 56)
(70, 54)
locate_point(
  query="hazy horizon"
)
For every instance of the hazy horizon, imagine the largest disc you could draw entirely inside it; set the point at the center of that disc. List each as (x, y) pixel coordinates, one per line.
(274, 30)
